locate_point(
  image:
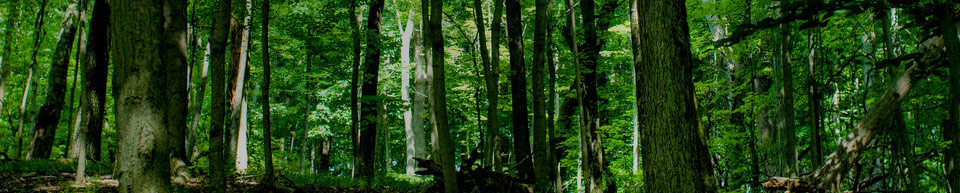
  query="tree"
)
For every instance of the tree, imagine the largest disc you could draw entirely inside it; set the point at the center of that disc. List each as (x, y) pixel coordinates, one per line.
(369, 103)
(265, 94)
(786, 134)
(354, 86)
(174, 59)
(492, 73)
(413, 138)
(49, 116)
(420, 90)
(10, 37)
(93, 98)
(542, 166)
(237, 124)
(139, 72)
(518, 81)
(26, 102)
(218, 48)
(591, 145)
(491, 77)
(951, 156)
(671, 161)
(439, 96)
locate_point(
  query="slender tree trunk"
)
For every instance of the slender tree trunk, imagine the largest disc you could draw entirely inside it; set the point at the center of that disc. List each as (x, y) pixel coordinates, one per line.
(370, 104)
(218, 48)
(26, 102)
(265, 94)
(446, 149)
(518, 80)
(491, 77)
(813, 101)
(671, 162)
(354, 87)
(951, 156)
(191, 138)
(589, 109)
(237, 75)
(635, 46)
(174, 55)
(140, 73)
(411, 136)
(492, 73)
(553, 158)
(49, 116)
(81, 51)
(540, 142)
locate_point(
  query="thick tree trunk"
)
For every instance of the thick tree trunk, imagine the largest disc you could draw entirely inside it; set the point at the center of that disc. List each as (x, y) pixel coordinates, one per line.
(591, 146)
(540, 142)
(518, 80)
(10, 36)
(671, 162)
(236, 92)
(813, 101)
(94, 85)
(370, 104)
(951, 156)
(174, 58)
(265, 94)
(139, 74)
(446, 149)
(787, 135)
(218, 48)
(354, 87)
(492, 75)
(49, 116)
(420, 81)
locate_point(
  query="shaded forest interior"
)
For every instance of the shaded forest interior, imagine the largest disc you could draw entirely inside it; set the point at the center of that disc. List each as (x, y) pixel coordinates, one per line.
(479, 96)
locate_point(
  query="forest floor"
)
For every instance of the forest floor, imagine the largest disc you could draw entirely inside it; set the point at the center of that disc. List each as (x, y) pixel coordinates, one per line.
(59, 176)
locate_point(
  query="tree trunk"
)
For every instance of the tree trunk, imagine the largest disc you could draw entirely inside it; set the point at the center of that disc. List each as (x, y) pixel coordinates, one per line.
(27, 101)
(49, 116)
(518, 80)
(139, 72)
(589, 109)
(175, 61)
(813, 101)
(10, 37)
(354, 87)
(491, 77)
(951, 156)
(411, 136)
(237, 75)
(94, 85)
(446, 149)
(552, 107)
(671, 162)
(265, 94)
(218, 48)
(787, 135)
(492, 74)
(420, 93)
(635, 46)
(370, 104)
(540, 142)
(191, 138)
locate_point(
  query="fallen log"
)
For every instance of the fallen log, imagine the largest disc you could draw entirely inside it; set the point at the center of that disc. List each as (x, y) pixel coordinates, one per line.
(831, 174)
(474, 178)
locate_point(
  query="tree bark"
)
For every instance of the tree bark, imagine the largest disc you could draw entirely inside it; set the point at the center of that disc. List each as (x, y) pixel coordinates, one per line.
(174, 58)
(419, 92)
(94, 84)
(591, 147)
(951, 156)
(27, 101)
(139, 75)
(787, 135)
(237, 75)
(265, 94)
(411, 136)
(354, 87)
(518, 80)
(671, 162)
(540, 141)
(49, 116)
(218, 48)
(492, 73)
(446, 149)
(491, 77)
(10, 36)
(370, 104)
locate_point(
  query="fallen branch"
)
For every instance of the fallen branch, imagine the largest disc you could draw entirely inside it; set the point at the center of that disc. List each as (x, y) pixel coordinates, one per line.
(831, 174)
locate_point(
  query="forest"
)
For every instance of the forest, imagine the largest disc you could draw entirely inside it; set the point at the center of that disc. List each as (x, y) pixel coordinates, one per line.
(411, 96)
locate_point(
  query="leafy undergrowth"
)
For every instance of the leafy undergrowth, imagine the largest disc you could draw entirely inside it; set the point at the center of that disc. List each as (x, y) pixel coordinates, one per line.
(59, 176)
